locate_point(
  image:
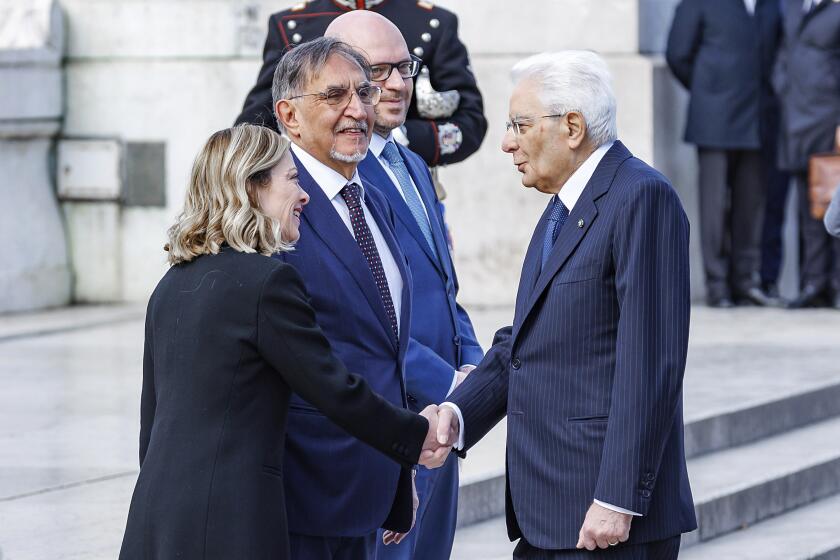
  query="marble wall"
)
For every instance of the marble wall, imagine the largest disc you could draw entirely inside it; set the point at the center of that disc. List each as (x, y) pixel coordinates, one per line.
(158, 71)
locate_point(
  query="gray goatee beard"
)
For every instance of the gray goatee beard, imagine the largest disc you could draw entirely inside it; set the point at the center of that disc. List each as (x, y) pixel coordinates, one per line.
(355, 157)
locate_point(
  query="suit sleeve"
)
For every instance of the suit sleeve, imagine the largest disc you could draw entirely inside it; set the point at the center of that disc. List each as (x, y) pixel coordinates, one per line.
(482, 398)
(258, 107)
(650, 251)
(449, 69)
(428, 377)
(471, 351)
(684, 40)
(290, 340)
(148, 398)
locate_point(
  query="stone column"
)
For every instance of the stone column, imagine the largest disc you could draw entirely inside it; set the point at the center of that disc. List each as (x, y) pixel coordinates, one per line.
(34, 273)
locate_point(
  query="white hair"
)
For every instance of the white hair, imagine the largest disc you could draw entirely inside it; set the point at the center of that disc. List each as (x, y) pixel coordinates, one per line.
(574, 81)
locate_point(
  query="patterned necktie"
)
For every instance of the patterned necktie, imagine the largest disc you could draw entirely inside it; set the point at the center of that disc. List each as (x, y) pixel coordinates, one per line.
(412, 200)
(350, 194)
(556, 219)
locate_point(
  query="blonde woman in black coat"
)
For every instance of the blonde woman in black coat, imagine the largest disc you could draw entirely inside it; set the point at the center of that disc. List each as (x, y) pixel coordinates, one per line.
(229, 335)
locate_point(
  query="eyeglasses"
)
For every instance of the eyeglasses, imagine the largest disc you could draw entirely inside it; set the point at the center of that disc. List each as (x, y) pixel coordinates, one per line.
(407, 69)
(517, 124)
(367, 94)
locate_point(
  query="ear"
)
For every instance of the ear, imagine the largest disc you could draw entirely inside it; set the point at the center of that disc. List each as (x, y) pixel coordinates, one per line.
(577, 129)
(286, 113)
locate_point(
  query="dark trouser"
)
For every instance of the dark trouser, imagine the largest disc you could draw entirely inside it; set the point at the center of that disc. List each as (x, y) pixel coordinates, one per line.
(332, 548)
(667, 549)
(778, 183)
(732, 195)
(819, 262)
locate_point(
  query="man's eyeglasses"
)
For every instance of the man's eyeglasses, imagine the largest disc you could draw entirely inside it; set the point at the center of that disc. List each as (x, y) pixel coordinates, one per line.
(517, 124)
(367, 94)
(407, 69)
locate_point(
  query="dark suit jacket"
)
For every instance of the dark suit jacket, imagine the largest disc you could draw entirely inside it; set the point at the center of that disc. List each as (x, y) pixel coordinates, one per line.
(807, 79)
(590, 374)
(336, 486)
(724, 57)
(442, 336)
(228, 338)
(443, 53)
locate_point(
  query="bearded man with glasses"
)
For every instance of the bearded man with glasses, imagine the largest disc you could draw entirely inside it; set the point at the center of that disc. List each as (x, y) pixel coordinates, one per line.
(339, 491)
(442, 347)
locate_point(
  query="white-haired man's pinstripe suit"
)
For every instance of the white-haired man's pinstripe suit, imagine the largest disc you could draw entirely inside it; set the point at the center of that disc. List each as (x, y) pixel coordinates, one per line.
(590, 374)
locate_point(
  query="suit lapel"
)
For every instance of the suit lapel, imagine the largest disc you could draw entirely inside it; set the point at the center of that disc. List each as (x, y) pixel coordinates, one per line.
(327, 224)
(579, 222)
(373, 172)
(386, 229)
(811, 13)
(419, 174)
(530, 269)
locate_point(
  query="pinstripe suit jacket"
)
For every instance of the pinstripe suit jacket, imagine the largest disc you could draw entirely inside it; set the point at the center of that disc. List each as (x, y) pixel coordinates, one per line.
(590, 374)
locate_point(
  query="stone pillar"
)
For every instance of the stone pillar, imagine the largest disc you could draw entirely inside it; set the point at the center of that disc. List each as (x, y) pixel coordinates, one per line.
(34, 273)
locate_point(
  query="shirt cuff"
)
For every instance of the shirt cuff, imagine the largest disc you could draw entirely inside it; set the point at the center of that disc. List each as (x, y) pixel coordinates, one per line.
(616, 508)
(454, 382)
(460, 443)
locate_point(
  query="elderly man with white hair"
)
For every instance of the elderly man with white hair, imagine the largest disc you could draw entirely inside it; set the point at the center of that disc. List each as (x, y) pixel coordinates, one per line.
(590, 373)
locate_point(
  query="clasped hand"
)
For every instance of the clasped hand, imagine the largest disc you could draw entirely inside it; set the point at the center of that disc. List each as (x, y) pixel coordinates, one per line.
(442, 435)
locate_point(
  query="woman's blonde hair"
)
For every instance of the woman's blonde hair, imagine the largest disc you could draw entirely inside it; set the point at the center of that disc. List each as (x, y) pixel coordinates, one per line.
(222, 203)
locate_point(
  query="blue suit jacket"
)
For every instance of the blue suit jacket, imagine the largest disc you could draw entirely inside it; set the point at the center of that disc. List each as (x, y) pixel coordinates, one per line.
(724, 56)
(442, 336)
(335, 484)
(590, 374)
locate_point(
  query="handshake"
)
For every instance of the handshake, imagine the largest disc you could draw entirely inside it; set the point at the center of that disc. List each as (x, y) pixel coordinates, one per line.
(442, 435)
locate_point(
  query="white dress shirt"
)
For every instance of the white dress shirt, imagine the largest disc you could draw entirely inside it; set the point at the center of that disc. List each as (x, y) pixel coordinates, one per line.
(377, 146)
(569, 195)
(331, 182)
(750, 5)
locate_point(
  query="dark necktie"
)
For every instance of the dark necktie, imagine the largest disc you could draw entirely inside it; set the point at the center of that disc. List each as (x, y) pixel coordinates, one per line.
(556, 219)
(412, 200)
(350, 194)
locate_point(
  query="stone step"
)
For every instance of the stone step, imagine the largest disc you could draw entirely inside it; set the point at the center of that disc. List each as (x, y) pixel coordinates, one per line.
(720, 430)
(811, 532)
(482, 480)
(737, 487)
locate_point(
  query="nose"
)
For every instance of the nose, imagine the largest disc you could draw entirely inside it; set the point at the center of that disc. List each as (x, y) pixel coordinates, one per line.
(509, 144)
(355, 108)
(395, 81)
(303, 197)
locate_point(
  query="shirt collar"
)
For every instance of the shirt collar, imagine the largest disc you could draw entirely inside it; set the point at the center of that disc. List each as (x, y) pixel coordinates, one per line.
(353, 4)
(377, 143)
(571, 191)
(330, 180)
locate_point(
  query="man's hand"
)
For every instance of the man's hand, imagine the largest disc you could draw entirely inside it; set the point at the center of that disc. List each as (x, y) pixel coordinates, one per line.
(433, 454)
(462, 374)
(448, 427)
(389, 537)
(603, 527)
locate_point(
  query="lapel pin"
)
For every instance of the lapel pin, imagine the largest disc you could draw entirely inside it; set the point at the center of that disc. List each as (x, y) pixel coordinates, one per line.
(580, 223)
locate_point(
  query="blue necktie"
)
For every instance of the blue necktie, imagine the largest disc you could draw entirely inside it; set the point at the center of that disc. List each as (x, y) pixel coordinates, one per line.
(556, 219)
(412, 199)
